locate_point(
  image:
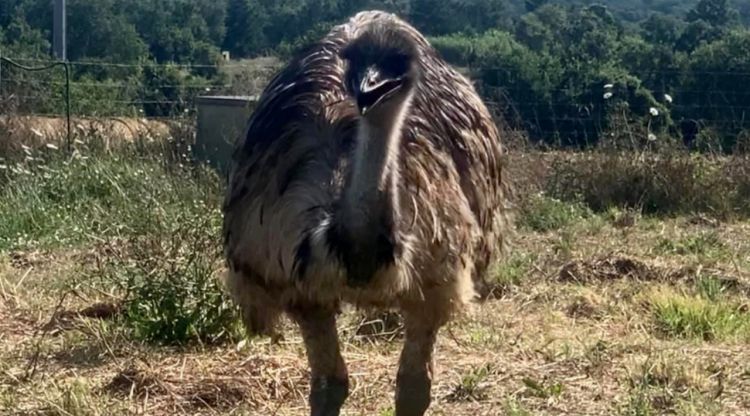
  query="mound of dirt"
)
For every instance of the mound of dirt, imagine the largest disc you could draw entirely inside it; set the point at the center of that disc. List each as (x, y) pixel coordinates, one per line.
(611, 267)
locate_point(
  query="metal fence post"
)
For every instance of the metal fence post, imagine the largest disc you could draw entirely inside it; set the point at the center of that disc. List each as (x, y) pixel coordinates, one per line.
(59, 31)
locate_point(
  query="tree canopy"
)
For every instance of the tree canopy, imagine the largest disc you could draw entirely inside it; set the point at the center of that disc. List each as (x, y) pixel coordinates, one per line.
(566, 71)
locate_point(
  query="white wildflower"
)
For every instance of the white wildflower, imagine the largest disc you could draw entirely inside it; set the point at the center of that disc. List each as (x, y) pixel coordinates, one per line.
(52, 146)
(668, 98)
(3, 167)
(651, 137)
(609, 86)
(654, 111)
(608, 95)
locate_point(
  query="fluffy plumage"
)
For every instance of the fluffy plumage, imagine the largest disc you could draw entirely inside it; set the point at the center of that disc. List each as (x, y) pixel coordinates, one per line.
(428, 243)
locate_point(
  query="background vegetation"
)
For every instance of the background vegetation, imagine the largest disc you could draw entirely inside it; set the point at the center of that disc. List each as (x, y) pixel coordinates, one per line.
(566, 72)
(625, 291)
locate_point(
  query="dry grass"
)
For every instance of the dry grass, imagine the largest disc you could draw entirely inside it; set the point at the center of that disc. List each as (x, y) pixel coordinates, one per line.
(576, 335)
(33, 130)
(576, 327)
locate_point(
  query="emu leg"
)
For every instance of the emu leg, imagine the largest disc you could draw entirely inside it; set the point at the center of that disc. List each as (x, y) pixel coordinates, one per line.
(414, 379)
(329, 384)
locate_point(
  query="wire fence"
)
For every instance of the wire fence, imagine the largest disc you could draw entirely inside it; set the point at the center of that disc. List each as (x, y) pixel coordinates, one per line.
(165, 91)
(44, 68)
(106, 89)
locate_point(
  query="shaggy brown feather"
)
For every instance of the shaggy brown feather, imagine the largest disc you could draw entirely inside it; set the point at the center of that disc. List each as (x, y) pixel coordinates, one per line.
(292, 167)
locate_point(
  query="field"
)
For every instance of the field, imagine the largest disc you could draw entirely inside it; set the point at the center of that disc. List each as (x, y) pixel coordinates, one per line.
(608, 303)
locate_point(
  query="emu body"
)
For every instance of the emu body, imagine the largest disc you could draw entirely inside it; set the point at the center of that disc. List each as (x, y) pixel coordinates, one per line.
(370, 173)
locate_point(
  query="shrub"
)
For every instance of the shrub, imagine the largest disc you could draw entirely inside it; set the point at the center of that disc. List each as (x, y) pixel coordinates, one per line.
(173, 294)
(658, 182)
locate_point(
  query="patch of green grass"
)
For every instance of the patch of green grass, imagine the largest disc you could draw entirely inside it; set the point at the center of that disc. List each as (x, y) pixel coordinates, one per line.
(73, 399)
(597, 355)
(8, 398)
(473, 385)
(542, 390)
(711, 287)
(513, 408)
(705, 245)
(542, 213)
(666, 383)
(564, 244)
(665, 181)
(683, 316)
(638, 405)
(514, 270)
(485, 337)
(77, 397)
(61, 201)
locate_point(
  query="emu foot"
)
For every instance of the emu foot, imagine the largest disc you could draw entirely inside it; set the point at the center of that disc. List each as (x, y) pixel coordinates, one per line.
(413, 394)
(327, 395)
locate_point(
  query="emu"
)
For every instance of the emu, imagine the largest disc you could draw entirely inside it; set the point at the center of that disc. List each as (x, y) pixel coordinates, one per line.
(369, 174)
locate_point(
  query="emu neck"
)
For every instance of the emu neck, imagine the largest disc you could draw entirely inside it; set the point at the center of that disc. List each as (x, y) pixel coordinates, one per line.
(370, 210)
(369, 198)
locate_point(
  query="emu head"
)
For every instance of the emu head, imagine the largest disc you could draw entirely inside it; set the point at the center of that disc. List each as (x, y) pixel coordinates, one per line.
(382, 68)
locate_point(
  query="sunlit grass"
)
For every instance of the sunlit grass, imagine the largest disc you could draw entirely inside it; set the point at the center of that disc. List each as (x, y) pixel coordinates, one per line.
(160, 217)
(688, 316)
(61, 200)
(543, 213)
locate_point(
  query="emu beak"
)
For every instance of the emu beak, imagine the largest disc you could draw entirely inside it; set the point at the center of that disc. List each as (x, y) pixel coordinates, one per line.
(375, 89)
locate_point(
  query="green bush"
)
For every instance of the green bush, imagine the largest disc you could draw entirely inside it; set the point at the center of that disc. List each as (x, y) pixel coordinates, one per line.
(173, 291)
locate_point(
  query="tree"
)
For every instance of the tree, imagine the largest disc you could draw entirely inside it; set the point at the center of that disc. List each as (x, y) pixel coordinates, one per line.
(717, 85)
(246, 22)
(451, 16)
(542, 29)
(21, 40)
(178, 30)
(661, 29)
(743, 8)
(95, 31)
(532, 5)
(716, 13)
(696, 34)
